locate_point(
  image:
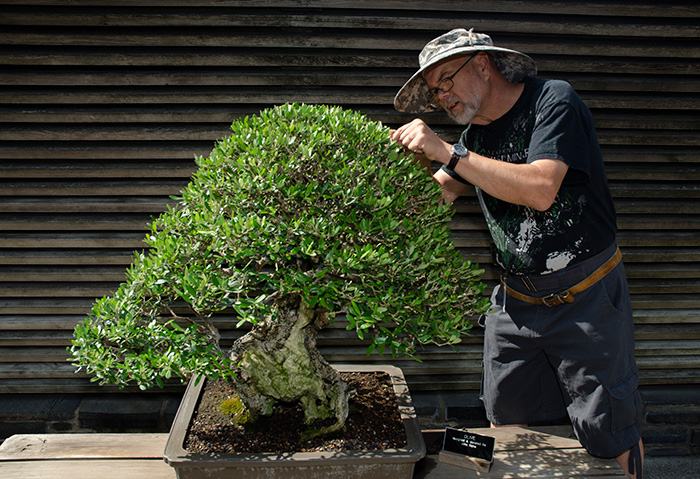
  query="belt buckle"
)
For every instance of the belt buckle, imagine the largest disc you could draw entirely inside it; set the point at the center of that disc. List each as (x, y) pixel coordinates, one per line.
(556, 299)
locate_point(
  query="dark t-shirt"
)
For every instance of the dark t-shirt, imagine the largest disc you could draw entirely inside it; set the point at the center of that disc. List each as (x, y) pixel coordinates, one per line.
(549, 121)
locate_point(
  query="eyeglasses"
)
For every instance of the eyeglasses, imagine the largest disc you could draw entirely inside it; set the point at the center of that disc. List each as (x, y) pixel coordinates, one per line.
(444, 86)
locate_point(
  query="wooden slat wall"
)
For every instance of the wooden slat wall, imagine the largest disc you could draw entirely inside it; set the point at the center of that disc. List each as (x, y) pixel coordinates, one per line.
(104, 104)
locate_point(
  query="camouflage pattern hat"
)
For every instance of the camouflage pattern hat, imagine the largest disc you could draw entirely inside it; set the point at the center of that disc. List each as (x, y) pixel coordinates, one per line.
(414, 96)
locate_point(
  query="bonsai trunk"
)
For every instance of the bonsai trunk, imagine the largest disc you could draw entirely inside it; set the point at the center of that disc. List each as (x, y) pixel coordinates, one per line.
(278, 361)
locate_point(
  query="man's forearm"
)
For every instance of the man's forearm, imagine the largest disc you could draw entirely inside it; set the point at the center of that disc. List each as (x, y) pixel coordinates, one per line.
(533, 184)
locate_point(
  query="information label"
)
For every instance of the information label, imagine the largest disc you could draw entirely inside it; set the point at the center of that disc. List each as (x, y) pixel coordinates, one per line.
(465, 449)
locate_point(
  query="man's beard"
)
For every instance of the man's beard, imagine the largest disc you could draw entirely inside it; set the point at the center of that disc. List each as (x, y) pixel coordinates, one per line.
(466, 116)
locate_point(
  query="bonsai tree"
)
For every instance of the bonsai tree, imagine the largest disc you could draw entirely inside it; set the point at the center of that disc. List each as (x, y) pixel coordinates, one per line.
(304, 213)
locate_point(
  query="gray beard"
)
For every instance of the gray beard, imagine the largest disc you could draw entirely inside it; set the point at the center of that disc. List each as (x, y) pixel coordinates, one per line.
(467, 115)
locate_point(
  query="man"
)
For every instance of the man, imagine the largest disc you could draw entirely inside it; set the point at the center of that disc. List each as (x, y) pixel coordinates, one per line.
(560, 337)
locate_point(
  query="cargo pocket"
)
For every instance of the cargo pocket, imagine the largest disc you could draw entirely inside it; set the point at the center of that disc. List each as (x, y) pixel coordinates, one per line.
(626, 403)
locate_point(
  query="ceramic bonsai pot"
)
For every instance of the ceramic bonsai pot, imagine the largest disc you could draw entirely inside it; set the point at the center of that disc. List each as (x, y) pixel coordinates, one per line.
(389, 464)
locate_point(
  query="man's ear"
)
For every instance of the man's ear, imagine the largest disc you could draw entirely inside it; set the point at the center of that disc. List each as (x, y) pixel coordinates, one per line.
(483, 64)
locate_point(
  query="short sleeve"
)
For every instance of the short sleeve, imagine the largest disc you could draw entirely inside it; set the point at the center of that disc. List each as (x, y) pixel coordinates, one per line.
(562, 130)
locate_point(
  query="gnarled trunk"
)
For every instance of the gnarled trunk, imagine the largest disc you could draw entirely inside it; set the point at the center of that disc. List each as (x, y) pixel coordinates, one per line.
(279, 361)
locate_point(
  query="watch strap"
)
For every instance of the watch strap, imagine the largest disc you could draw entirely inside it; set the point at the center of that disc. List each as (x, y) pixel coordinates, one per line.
(453, 161)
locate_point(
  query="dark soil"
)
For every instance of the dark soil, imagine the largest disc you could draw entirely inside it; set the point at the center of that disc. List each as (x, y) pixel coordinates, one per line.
(374, 422)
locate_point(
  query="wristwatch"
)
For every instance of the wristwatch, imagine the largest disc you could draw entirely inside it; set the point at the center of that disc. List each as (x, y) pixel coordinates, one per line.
(458, 152)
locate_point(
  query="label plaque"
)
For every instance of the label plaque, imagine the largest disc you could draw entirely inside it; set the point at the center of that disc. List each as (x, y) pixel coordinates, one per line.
(465, 449)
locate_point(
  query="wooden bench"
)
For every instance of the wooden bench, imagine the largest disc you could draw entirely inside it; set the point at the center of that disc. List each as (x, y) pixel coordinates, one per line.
(535, 452)
(84, 456)
(520, 452)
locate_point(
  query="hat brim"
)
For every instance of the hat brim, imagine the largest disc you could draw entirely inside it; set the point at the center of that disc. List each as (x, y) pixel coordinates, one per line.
(414, 96)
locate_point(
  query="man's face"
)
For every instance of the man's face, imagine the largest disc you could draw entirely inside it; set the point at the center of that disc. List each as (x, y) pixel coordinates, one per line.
(461, 101)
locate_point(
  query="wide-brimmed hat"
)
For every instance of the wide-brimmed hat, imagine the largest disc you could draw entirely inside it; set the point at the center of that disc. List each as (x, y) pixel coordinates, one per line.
(414, 96)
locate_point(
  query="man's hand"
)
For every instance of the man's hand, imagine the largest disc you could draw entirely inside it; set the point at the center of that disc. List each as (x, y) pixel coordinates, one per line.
(417, 137)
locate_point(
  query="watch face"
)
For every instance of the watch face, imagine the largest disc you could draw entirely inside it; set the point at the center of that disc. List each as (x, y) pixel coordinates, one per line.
(460, 150)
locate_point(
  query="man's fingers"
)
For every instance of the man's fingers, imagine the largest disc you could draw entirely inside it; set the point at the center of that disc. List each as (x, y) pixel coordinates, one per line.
(411, 136)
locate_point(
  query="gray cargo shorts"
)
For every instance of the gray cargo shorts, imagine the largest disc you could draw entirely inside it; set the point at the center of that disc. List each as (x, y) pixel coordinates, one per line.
(542, 363)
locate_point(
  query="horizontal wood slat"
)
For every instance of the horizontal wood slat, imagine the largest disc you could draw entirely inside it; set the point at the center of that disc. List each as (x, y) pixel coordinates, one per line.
(105, 104)
(560, 40)
(645, 9)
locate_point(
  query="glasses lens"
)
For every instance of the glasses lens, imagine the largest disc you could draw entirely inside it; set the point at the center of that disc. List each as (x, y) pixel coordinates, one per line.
(445, 85)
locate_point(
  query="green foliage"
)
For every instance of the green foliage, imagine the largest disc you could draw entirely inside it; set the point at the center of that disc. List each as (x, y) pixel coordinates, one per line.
(303, 200)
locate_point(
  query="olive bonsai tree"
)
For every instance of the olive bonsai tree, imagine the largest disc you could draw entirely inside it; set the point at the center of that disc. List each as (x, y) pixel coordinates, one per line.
(304, 213)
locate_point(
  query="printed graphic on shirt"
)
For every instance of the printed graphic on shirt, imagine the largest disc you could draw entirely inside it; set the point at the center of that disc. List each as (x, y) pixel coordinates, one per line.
(522, 235)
